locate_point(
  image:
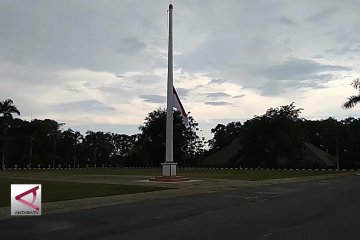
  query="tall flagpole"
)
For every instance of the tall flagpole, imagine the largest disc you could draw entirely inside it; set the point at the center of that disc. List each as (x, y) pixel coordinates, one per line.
(169, 167)
(169, 109)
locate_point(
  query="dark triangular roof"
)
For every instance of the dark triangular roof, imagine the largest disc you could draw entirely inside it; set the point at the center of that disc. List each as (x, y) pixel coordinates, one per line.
(224, 155)
(322, 156)
(231, 155)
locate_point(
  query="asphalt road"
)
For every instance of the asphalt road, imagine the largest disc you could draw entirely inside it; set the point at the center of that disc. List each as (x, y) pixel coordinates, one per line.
(327, 209)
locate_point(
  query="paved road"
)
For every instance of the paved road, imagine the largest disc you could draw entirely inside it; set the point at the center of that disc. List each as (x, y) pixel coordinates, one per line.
(326, 209)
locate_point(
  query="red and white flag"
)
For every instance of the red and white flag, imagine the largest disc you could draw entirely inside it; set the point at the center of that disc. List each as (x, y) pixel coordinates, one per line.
(177, 104)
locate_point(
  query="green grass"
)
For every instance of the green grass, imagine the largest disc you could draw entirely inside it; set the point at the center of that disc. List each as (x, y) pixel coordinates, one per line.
(235, 174)
(57, 191)
(249, 175)
(87, 171)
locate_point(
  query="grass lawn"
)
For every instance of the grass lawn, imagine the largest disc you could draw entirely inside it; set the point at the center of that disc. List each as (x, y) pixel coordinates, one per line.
(249, 175)
(235, 174)
(57, 191)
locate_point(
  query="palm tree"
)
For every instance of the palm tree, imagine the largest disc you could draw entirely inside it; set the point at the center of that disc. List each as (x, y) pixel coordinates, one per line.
(6, 110)
(76, 138)
(92, 139)
(54, 136)
(31, 139)
(353, 100)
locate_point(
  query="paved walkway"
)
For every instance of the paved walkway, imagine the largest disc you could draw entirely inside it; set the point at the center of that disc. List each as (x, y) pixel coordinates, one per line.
(199, 186)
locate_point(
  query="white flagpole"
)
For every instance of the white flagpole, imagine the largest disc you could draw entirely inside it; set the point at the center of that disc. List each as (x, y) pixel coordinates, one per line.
(169, 167)
(169, 109)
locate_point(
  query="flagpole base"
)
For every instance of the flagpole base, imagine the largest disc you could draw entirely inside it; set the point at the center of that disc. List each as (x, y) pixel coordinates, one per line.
(169, 174)
(169, 169)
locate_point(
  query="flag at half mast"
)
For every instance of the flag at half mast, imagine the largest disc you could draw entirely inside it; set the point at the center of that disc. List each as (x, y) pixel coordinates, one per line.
(178, 106)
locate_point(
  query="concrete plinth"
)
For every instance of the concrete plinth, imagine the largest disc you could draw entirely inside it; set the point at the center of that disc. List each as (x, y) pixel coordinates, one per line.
(169, 174)
(169, 169)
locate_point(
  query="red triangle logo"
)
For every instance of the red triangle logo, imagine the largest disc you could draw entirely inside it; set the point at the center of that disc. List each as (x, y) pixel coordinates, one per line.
(29, 204)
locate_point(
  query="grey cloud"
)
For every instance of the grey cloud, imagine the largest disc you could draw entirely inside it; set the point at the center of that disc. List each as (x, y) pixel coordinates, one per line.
(25, 74)
(271, 89)
(296, 73)
(153, 98)
(299, 69)
(83, 106)
(280, 87)
(113, 90)
(318, 56)
(239, 96)
(321, 15)
(217, 81)
(218, 103)
(344, 50)
(325, 77)
(146, 79)
(107, 88)
(88, 84)
(123, 94)
(131, 45)
(287, 21)
(217, 95)
(80, 34)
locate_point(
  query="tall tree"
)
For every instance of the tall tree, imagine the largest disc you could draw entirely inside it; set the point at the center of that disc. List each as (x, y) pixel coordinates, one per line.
(187, 144)
(101, 144)
(7, 109)
(46, 134)
(123, 145)
(75, 138)
(275, 138)
(54, 137)
(353, 100)
(223, 135)
(92, 142)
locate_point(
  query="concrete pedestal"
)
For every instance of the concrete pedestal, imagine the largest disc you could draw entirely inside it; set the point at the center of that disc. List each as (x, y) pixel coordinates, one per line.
(169, 169)
(169, 174)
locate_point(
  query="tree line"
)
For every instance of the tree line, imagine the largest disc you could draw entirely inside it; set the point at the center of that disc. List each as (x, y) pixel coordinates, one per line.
(43, 143)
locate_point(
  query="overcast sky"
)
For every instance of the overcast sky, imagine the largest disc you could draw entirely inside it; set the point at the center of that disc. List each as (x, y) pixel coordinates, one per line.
(102, 65)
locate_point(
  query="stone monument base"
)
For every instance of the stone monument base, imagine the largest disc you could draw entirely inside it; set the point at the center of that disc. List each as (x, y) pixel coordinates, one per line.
(169, 174)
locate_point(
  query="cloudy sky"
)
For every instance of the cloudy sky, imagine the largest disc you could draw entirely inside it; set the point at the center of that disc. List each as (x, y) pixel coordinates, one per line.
(101, 64)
